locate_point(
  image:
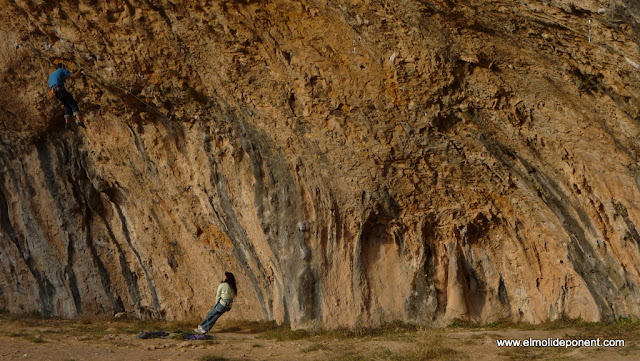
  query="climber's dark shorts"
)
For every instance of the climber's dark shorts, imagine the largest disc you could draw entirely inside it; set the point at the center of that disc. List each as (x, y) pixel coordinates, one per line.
(70, 105)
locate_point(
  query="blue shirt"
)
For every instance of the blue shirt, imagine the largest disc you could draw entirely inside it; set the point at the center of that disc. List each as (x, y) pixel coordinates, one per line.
(58, 77)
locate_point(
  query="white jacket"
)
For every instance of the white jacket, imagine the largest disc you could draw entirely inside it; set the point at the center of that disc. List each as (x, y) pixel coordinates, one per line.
(225, 294)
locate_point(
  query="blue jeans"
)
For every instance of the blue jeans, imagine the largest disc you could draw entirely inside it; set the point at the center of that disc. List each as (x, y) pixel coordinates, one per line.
(70, 105)
(213, 316)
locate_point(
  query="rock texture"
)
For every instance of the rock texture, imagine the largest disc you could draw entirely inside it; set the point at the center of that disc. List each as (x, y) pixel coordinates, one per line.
(353, 162)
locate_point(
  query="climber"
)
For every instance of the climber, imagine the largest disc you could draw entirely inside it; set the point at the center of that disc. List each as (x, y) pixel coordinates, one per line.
(227, 292)
(56, 87)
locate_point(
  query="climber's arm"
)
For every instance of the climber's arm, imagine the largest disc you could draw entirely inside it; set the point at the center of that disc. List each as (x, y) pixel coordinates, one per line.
(77, 74)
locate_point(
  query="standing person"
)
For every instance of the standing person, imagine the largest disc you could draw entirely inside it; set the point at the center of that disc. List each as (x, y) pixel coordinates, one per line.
(56, 84)
(227, 292)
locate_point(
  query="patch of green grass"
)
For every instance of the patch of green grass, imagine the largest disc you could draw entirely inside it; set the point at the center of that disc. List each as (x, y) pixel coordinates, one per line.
(620, 327)
(623, 327)
(212, 358)
(233, 325)
(628, 348)
(27, 336)
(18, 334)
(391, 331)
(458, 323)
(427, 346)
(270, 330)
(30, 319)
(267, 330)
(88, 332)
(315, 347)
(430, 346)
(562, 322)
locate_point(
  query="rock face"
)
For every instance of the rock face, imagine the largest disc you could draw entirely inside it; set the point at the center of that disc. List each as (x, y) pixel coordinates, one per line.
(352, 162)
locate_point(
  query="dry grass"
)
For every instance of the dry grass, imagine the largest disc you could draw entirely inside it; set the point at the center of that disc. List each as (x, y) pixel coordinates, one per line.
(621, 326)
(85, 329)
(273, 331)
(32, 337)
(315, 347)
(428, 345)
(393, 342)
(212, 358)
(431, 346)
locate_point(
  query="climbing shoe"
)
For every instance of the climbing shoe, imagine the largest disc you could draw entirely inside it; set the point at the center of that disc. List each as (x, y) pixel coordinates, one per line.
(200, 330)
(81, 124)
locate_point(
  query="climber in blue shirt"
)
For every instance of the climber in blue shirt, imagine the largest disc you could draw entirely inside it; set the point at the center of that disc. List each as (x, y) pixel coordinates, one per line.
(56, 86)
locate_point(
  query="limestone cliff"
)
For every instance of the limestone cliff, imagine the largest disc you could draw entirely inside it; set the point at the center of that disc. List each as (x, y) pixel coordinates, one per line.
(352, 162)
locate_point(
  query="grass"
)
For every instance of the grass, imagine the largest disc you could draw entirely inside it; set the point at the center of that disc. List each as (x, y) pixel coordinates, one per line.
(393, 331)
(621, 326)
(273, 331)
(27, 336)
(520, 354)
(628, 348)
(17, 334)
(209, 342)
(212, 358)
(38, 339)
(315, 347)
(233, 325)
(267, 330)
(350, 356)
(427, 346)
(88, 329)
(547, 354)
(414, 343)
(431, 347)
(285, 334)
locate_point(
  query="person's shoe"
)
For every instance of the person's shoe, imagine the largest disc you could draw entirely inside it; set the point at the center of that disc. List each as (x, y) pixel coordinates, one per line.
(81, 124)
(200, 330)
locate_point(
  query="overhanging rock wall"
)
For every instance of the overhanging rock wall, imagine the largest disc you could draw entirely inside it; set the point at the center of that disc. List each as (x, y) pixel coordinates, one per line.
(352, 162)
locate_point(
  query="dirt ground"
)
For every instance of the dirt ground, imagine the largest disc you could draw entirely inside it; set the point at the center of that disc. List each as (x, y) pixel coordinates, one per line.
(32, 338)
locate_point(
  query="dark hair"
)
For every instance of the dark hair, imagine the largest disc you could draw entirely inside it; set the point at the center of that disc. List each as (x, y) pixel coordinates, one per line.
(60, 65)
(231, 280)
